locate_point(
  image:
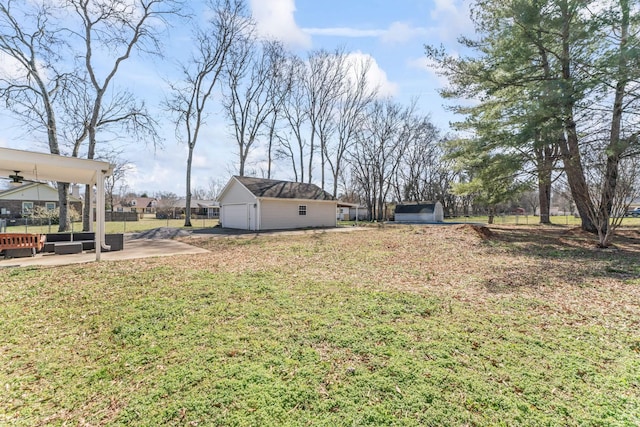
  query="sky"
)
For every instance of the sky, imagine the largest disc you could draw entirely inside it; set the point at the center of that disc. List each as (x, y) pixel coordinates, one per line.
(391, 33)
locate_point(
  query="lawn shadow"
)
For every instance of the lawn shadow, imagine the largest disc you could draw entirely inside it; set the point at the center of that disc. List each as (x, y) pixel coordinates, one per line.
(568, 254)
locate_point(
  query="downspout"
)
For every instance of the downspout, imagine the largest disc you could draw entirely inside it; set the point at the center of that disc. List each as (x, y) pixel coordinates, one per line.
(258, 214)
(99, 234)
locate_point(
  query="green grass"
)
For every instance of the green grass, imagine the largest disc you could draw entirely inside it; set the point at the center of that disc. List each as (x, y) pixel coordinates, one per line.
(357, 329)
(120, 226)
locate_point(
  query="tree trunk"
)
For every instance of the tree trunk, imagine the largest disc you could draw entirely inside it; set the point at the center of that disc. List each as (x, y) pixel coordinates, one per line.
(545, 160)
(187, 211)
(86, 207)
(544, 196)
(63, 197)
(270, 150)
(322, 163)
(575, 176)
(616, 145)
(569, 145)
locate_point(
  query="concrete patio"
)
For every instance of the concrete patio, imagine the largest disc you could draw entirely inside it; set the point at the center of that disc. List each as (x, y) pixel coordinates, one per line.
(134, 248)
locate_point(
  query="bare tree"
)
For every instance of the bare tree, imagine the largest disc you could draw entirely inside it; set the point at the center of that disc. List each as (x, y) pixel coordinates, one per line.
(324, 84)
(167, 203)
(379, 149)
(114, 183)
(201, 74)
(418, 173)
(113, 29)
(28, 37)
(356, 97)
(252, 92)
(280, 89)
(121, 113)
(293, 146)
(214, 188)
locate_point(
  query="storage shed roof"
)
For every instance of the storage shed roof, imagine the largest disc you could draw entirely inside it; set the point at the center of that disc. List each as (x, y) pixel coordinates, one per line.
(272, 188)
(418, 208)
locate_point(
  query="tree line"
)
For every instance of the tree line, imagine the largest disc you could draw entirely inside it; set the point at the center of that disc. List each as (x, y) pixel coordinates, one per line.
(318, 116)
(554, 87)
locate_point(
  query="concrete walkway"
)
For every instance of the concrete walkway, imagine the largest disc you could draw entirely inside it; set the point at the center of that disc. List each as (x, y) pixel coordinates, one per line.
(136, 248)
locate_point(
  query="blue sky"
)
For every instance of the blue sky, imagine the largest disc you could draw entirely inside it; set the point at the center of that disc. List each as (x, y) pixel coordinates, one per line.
(392, 33)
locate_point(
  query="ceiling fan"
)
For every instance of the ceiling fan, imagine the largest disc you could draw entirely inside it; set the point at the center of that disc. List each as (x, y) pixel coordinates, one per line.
(16, 179)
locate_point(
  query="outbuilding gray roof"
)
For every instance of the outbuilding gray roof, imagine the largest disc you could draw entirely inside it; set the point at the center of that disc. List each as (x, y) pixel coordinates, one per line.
(416, 208)
(261, 187)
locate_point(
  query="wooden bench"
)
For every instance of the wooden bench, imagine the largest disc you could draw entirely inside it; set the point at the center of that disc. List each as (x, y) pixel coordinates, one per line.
(21, 244)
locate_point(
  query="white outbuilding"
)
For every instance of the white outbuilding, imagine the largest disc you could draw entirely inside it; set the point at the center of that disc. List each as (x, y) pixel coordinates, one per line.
(249, 203)
(419, 213)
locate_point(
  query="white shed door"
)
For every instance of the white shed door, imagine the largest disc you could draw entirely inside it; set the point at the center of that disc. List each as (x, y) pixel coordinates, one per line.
(236, 216)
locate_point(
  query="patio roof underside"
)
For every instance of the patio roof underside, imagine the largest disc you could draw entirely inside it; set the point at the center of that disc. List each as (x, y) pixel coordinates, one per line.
(50, 167)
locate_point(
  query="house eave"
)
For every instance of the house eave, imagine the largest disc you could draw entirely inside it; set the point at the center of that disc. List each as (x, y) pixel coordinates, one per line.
(296, 200)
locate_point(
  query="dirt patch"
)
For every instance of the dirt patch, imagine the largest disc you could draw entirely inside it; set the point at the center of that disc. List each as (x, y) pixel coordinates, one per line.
(480, 230)
(161, 233)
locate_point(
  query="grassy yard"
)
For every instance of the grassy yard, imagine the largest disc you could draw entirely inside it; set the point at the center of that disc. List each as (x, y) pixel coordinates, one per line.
(397, 325)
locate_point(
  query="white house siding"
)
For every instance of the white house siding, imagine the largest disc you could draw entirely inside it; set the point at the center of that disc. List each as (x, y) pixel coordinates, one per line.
(40, 193)
(237, 193)
(282, 214)
(239, 208)
(436, 216)
(414, 217)
(237, 216)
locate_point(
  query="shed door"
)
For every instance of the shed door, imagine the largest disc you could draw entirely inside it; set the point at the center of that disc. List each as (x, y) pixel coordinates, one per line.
(236, 216)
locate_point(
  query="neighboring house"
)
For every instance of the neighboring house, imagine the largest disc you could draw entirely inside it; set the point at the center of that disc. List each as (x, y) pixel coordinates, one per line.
(199, 208)
(143, 205)
(137, 204)
(419, 213)
(351, 212)
(266, 204)
(18, 202)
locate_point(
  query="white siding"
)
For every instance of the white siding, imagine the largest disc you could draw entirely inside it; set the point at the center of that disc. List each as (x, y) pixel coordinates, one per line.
(236, 193)
(414, 217)
(235, 216)
(40, 193)
(282, 214)
(238, 207)
(436, 216)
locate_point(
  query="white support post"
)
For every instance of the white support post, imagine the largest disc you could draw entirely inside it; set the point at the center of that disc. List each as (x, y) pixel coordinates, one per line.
(100, 208)
(99, 214)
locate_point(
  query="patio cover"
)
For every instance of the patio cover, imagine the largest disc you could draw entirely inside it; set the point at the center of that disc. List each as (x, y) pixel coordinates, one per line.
(52, 167)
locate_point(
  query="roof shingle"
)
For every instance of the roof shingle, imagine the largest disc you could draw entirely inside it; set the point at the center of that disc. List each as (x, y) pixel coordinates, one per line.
(261, 187)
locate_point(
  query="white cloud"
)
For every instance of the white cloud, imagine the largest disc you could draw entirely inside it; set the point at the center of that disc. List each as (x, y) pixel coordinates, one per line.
(376, 76)
(444, 7)
(10, 68)
(343, 32)
(430, 67)
(453, 19)
(398, 32)
(401, 32)
(275, 19)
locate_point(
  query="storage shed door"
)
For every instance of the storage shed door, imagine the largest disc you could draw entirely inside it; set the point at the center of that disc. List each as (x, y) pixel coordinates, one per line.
(235, 216)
